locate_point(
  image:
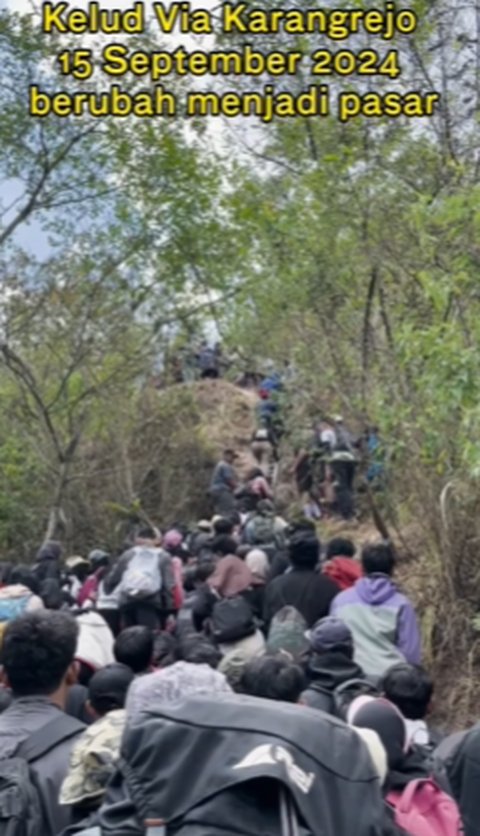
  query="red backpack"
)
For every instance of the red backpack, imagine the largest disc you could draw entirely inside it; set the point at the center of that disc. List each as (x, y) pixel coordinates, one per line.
(423, 809)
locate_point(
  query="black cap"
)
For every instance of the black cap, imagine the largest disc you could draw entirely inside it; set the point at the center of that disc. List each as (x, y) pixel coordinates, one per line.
(108, 687)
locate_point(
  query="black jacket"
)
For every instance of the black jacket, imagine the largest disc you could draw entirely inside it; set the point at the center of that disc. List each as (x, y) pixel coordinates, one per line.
(307, 590)
(460, 754)
(326, 672)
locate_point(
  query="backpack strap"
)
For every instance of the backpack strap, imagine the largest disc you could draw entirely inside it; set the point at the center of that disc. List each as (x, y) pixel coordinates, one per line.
(48, 737)
(405, 801)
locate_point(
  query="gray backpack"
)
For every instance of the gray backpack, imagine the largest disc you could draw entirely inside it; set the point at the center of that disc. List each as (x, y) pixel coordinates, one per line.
(142, 577)
(20, 806)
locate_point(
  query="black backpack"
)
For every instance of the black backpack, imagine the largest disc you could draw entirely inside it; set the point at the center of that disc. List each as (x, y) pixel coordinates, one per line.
(232, 620)
(243, 766)
(20, 806)
(348, 691)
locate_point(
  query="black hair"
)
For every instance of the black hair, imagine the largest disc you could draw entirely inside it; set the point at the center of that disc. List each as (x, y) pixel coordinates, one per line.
(37, 650)
(51, 594)
(189, 580)
(134, 648)
(84, 672)
(340, 546)
(304, 549)
(235, 518)
(254, 473)
(146, 532)
(410, 688)
(223, 526)
(198, 650)
(224, 545)
(23, 575)
(204, 570)
(5, 572)
(165, 650)
(274, 677)
(378, 557)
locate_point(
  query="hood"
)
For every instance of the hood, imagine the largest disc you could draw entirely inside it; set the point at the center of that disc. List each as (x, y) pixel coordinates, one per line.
(344, 571)
(414, 765)
(328, 670)
(375, 589)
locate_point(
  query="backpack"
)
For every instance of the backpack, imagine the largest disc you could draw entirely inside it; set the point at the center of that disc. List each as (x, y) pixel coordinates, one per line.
(348, 691)
(238, 763)
(142, 577)
(11, 608)
(423, 809)
(20, 805)
(262, 530)
(232, 620)
(287, 633)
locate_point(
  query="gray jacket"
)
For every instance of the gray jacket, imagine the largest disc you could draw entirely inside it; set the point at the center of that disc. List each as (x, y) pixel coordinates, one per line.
(21, 719)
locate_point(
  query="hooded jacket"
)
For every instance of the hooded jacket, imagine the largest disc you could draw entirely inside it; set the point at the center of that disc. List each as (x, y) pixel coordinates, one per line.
(382, 621)
(344, 571)
(326, 672)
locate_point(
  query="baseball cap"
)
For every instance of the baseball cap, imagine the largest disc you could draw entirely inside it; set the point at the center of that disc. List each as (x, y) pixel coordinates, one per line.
(76, 560)
(330, 633)
(108, 687)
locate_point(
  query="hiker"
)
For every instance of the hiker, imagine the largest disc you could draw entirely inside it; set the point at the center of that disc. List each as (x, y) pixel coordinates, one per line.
(263, 450)
(196, 590)
(382, 619)
(20, 595)
(38, 665)
(456, 762)
(410, 688)
(47, 561)
(237, 636)
(224, 484)
(255, 489)
(165, 650)
(99, 562)
(145, 581)
(303, 587)
(77, 571)
(94, 758)
(257, 561)
(230, 578)
(327, 436)
(208, 361)
(342, 465)
(330, 663)
(199, 650)
(419, 805)
(343, 437)
(273, 677)
(199, 540)
(134, 649)
(265, 530)
(341, 566)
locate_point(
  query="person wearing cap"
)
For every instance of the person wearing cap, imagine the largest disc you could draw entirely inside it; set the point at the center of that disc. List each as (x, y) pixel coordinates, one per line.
(95, 755)
(77, 570)
(330, 662)
(224, 484)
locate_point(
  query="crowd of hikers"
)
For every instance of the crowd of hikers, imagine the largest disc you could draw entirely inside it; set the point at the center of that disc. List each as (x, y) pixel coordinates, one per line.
(233, 678)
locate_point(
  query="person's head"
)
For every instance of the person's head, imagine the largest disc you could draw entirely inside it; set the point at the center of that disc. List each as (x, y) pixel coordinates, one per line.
(229, 455)
(107, 690)
(378, 558)
(170, 685)
(203, 571)
(223, 526)
(273, 677)
(257, 562)
(224, 545)
(51, 550)
(254, 473)
(331, 635)
(77, 567)
(198, 650)
(410, 688)
(38, 655)
(384, 718)
(134, 648)
(303, 549)
(165, 650)
(340, 547)
(172, 540)
(24, 576)
(98, 559)
(147, 535)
